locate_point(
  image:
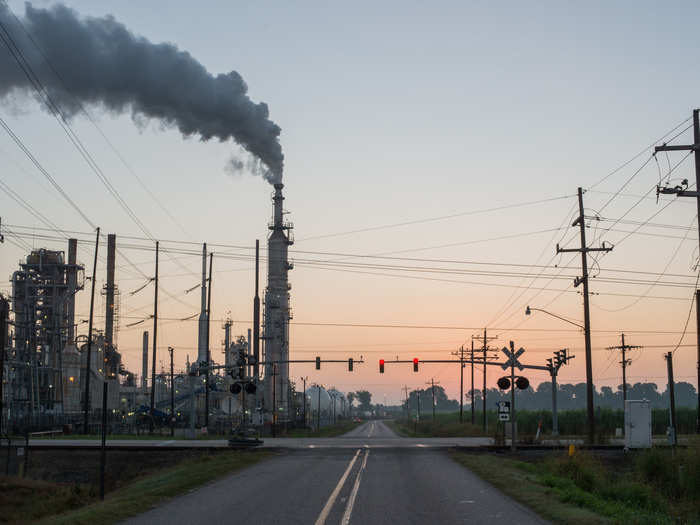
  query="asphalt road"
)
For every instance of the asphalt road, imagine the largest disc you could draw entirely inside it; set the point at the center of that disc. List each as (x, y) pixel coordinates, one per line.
(365, 484)
(376, 431)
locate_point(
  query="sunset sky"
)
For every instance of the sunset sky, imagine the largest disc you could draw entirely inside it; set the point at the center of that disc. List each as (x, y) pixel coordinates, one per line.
(432, 156)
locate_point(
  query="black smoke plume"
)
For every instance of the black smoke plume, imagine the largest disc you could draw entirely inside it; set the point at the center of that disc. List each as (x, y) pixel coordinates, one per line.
(100, 62)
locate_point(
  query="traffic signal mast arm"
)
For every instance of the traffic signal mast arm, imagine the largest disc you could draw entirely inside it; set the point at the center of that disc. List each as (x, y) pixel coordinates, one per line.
(463, 361)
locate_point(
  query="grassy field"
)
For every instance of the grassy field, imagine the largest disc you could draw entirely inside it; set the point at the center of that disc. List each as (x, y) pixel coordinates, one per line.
(649, 487)
(338, 429)
(445, 425)
(26, 500)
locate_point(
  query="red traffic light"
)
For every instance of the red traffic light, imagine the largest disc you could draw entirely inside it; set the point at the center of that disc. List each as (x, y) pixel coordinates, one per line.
(381, 366)
(415, 364)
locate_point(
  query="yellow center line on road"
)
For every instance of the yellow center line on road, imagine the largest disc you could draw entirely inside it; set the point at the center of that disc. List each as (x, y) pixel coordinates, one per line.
(331, 500)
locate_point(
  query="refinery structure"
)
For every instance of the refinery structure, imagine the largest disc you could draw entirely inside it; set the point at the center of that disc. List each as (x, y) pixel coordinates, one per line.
(48, 382)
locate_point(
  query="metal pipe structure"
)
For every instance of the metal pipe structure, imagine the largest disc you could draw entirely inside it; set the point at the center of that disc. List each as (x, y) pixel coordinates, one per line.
(86, 409)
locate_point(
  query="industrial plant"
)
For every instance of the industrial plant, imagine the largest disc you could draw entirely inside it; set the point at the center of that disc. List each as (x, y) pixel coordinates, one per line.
(56, 363)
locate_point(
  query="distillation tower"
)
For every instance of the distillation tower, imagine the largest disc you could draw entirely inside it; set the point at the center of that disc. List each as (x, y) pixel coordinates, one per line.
(277, 312)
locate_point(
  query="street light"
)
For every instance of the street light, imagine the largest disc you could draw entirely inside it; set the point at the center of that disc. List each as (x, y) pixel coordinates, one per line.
(528, 311)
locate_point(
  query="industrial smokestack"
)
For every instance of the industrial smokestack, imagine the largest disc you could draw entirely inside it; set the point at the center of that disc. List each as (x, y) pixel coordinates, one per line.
(144, 365)
(203, 314)
(99, 62)
(109, 290)
(256, 313)
(72, 288)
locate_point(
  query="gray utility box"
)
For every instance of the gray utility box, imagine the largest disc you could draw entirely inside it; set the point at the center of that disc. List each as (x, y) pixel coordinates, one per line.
(637, 424)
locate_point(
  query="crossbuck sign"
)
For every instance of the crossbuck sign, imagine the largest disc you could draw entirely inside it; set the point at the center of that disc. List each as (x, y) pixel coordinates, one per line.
(512, 358)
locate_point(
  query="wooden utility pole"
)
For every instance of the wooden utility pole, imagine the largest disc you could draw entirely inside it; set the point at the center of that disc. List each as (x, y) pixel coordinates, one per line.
(472, 389)
(155, 338)
(485, 347)
(432, 390)
(682, 192)
(86, 409)
(206, 379)
(624, 348)
(172, 393)
(405, 391)
(460, 354)
(584, 249)
(672, 397)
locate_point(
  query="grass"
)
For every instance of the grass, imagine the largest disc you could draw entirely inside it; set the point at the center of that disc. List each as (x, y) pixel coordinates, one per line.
(446, 425)
(340, 428)
(648, 487)
(27, 500)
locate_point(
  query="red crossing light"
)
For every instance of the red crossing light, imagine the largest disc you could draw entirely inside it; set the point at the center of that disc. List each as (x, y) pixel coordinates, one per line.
(415, 364)
(381, 366)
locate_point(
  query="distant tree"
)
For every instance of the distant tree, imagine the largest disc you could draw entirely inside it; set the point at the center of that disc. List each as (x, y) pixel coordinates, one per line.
(365, 399)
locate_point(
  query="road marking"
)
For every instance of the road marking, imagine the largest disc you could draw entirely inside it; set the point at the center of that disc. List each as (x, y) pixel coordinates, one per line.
(371, 429)
(353, 494)
(165, 443)
(329, 504)
(421, 445)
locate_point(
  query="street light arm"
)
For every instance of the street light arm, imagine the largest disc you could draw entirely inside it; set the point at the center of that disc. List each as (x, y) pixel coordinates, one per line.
(530, 309)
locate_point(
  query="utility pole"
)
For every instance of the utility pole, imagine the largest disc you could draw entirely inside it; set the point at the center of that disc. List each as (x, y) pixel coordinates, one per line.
(206, 378)
(432, 389)
(697, 314)
(472, 389)
(155, 338)
(86, 410)
(680, 191)
(560, 358)
(460, 353)
(172, 393)
(304, 409)
(672, 397)
(485, 340)
(405, 391)
(581, 222)
(623, 348)
(4, 311)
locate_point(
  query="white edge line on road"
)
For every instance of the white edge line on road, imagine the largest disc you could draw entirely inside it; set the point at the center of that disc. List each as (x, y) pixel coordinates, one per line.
(329, 504)
(353, 494)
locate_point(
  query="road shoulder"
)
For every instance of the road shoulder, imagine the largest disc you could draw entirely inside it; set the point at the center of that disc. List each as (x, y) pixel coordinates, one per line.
(515, 480)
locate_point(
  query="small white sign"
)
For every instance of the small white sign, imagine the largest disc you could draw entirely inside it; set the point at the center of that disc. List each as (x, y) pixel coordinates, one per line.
(504, 410)
(20, 451)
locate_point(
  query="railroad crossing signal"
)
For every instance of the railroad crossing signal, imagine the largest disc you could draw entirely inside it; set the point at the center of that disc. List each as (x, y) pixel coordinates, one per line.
(512, 358)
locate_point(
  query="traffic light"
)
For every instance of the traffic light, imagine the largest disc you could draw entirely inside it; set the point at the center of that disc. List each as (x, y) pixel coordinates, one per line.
(350, 363)
(241, 362)
(318, 363)
(415, 364)
(381, 366)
